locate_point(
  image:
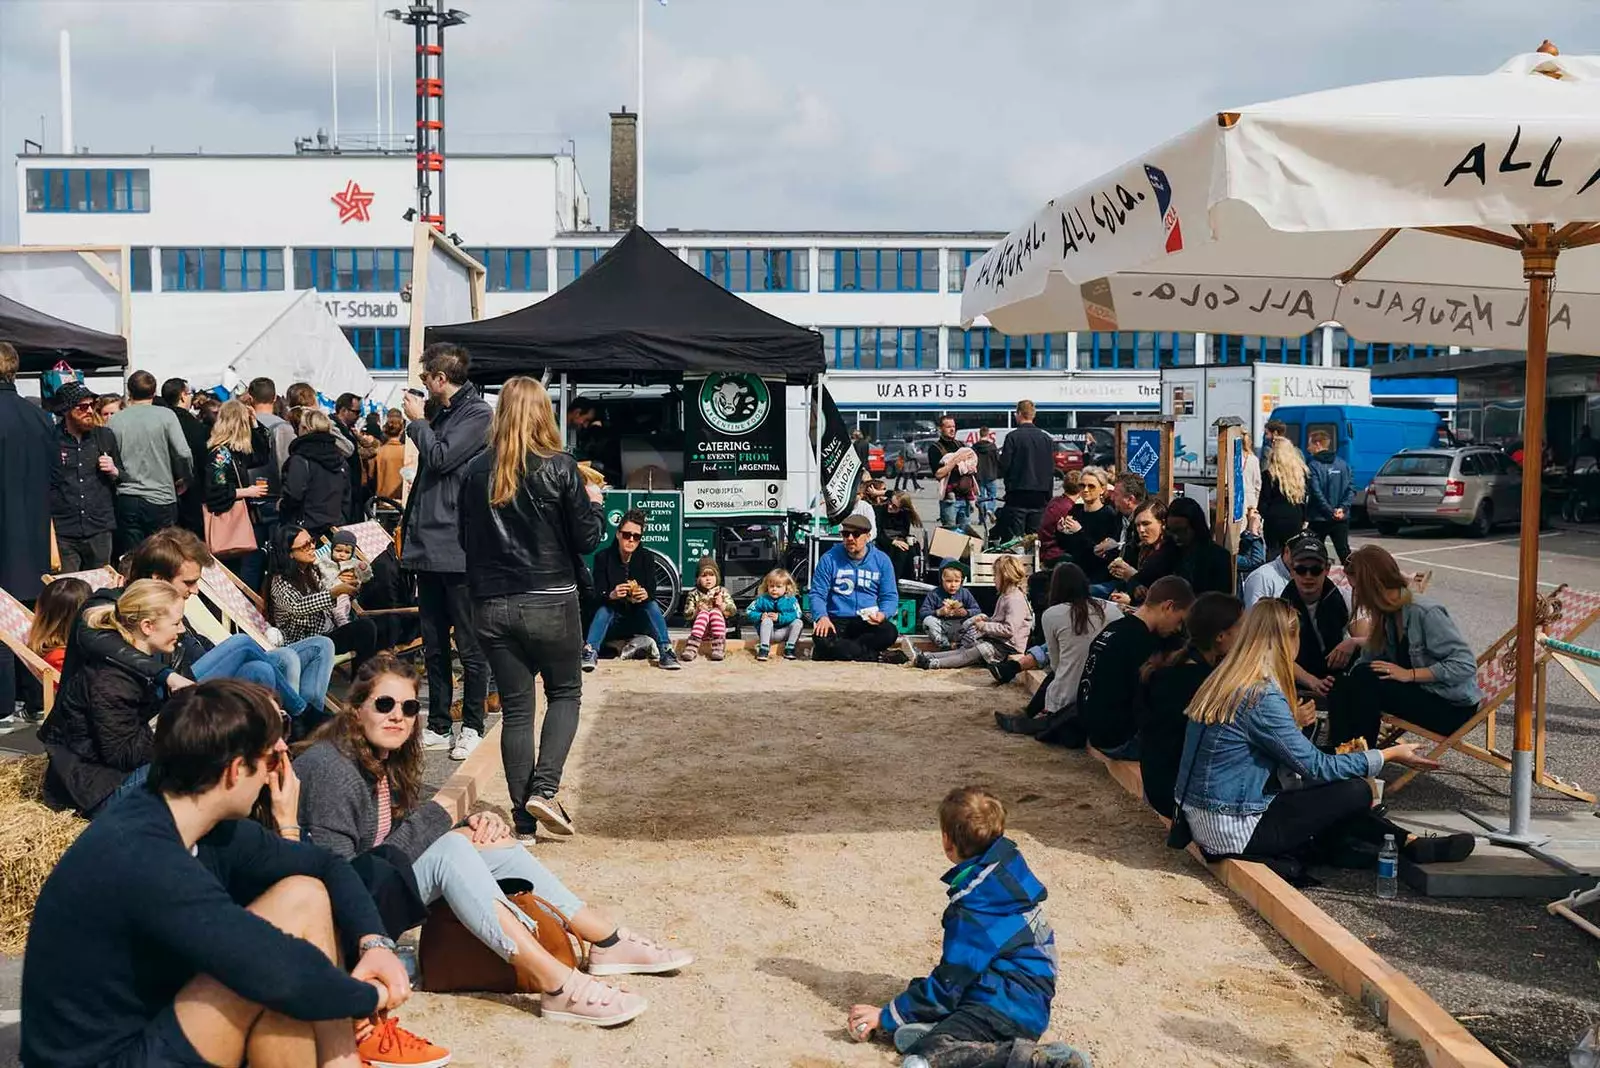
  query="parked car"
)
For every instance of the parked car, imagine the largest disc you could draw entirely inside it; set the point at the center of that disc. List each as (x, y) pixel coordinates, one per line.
(1068, 457)
(875, 461)
(1098, 446)
(1473, 487)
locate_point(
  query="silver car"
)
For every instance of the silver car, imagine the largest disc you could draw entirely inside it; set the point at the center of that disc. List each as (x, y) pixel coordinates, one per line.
(1473, 487)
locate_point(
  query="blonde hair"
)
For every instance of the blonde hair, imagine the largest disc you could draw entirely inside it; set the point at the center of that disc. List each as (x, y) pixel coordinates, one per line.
(314, 420)
(1009, 573)
(1264, 654)
(524, 422)
(972, 818)
(1288, 470)
(1378, 589)
(232, 429)
(902, 500)
(1095, 473)
(143, 599)
(778, 574)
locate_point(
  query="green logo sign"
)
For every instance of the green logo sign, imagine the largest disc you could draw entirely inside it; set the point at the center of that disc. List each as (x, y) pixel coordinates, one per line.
(734, 404)
(613, 518)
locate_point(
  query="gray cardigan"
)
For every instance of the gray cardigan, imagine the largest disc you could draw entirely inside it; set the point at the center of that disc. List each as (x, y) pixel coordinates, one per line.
(1436, 643)
(339, 808)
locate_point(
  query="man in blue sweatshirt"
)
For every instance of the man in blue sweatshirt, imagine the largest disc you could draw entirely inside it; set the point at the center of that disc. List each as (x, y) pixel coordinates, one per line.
(988, 1001)
(854, 599)
(1331, 493)
(176, 931)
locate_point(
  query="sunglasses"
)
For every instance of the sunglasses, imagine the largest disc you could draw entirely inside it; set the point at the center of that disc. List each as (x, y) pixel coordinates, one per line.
(854, 533)
(84, 406)
(1310, 571)
(385, 705)
(626, 535)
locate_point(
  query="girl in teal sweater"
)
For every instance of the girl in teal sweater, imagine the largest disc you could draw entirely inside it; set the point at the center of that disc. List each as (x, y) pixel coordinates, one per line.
(776, 613)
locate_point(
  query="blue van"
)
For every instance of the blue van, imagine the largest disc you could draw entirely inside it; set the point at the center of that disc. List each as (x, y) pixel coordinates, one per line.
(1364, 436)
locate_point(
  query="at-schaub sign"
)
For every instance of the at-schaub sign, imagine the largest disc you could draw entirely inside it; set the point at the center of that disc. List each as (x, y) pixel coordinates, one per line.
(1088, 390)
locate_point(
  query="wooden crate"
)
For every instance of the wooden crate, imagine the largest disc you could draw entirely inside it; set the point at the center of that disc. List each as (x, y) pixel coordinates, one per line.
(983, 566)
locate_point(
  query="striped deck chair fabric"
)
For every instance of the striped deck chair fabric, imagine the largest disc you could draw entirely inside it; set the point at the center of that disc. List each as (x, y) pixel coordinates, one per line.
(371, 539)
(238, 607)
(98, 578)
(15, 623)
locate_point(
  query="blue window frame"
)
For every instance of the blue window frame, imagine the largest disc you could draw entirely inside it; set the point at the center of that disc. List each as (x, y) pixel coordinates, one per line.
(1352, 353)
(572, 262)
(1241, 349)
(755, 270)
(139, 269)
(514, 270)
(352, 270)
(92, 190)
(879, 270)
(1134, 350)
(960, 260)
(382, 348)
(221, 270)
(990, 350)
(865, 348)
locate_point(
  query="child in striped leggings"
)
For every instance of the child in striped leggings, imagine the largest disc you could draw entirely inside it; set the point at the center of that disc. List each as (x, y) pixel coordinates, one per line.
(708, 607)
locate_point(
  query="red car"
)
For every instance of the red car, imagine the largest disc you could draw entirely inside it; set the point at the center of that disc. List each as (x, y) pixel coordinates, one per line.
(1068, 458)
(875, 461)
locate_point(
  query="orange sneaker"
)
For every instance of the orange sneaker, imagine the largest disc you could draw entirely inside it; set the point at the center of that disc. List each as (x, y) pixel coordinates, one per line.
(392, 1046)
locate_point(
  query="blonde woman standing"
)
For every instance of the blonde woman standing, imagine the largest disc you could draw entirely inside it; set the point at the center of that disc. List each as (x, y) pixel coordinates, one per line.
(1283, 494)
(527, 516)
(1243, 729)
(228, 481)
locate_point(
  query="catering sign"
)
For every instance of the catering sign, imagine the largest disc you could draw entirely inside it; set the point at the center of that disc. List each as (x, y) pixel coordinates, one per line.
(734, 461)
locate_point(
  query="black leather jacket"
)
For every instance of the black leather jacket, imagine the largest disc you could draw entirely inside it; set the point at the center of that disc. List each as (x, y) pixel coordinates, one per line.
(534, 542)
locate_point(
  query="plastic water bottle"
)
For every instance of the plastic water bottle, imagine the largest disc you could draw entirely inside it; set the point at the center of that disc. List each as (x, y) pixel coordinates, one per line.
(408, 957)
(1388, 869)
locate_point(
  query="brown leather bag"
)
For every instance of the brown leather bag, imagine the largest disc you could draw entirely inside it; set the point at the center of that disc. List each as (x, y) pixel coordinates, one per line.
(450, 958)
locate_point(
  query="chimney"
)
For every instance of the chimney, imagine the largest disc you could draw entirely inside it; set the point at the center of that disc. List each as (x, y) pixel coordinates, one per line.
(624, 169)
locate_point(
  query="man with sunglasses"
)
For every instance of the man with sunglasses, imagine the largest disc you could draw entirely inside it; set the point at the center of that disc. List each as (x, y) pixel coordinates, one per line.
(627, 579)
(854, 598)
(1329, 639)
(83, 486)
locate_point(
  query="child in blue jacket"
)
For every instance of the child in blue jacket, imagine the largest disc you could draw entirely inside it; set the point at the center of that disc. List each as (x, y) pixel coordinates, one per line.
(988, 1001)
(776, 614)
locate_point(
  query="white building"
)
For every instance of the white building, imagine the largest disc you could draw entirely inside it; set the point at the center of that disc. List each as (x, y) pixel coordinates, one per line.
(213, 236)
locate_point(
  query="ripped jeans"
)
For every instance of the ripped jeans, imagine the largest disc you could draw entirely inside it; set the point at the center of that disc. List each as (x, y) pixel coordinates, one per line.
(468, 878)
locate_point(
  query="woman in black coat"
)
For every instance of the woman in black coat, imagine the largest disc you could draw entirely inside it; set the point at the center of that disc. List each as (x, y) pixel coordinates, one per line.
(226, 471)
(1188, 552)
(316, 478)
(1283, 495)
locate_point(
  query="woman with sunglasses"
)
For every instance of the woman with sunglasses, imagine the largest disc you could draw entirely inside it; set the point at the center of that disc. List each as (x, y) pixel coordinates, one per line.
(300, 607)
(361, 787)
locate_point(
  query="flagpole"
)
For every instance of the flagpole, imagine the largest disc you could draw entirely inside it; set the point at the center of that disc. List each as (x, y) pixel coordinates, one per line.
(638, 182)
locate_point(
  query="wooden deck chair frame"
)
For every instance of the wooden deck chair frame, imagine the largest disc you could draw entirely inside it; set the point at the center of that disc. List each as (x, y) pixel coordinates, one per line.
(242, 626)
(98, 578)
(49, 678)
(1488, 753)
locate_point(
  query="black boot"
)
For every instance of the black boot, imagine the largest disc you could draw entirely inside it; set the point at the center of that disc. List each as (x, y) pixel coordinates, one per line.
(1004, 671)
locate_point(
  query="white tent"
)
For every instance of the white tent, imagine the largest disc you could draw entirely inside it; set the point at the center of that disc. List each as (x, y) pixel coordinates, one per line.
(288, 337)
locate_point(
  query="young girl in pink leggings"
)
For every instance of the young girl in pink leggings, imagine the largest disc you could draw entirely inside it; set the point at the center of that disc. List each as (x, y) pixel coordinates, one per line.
(708, 607)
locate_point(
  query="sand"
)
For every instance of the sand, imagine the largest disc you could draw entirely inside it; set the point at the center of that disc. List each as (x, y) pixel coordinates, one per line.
(779, 820)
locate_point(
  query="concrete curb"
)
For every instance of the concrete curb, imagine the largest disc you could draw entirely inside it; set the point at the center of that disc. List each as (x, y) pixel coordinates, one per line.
(1392, 998)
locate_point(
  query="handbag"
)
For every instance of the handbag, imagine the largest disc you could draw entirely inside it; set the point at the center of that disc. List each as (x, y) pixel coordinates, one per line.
(231, 533)
(58, 376)
(450, 958)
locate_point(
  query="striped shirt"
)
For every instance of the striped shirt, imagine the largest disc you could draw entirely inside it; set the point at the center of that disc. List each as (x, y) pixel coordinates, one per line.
(1221, 833)
(385, 813)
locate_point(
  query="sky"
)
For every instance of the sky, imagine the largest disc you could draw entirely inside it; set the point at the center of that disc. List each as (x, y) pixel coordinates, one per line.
(760, 114)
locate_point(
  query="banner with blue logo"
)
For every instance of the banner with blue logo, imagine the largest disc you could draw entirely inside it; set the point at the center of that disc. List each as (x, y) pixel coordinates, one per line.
(1144, 457)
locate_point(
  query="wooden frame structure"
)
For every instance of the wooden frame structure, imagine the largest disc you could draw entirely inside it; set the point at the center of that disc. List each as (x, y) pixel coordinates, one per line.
(1162, 424)
(424, 241)
(118, 277)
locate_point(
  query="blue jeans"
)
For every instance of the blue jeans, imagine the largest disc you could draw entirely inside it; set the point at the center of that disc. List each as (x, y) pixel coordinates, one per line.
(1041, 655)
(1103, 590)
(953, 514)
(989, 496)
(136, 778)
(630, 620)
(468, 878)
(239, 657)
(307, 666)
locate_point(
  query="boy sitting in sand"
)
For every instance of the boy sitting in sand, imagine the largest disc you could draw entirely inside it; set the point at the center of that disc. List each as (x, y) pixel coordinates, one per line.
(988, 1001)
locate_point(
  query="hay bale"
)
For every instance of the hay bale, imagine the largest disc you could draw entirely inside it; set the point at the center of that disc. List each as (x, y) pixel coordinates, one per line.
(32, 838)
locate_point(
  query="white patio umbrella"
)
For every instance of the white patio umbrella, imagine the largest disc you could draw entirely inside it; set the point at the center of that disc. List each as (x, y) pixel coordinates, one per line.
(1430, 210)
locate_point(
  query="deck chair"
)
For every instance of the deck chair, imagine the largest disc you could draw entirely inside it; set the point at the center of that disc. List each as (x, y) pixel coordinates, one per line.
(372, 541)
(241, 608)
(1580, 610)
(98, 578)
(15, 623)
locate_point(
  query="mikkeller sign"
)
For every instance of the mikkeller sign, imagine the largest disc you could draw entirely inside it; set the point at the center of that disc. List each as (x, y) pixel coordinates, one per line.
(734, 462)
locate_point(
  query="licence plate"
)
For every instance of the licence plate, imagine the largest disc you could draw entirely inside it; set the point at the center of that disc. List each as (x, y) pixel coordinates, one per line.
(1410, 491)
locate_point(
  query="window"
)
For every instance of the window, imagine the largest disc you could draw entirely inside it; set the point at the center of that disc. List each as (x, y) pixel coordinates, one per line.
(139, 269)
(1425, 464)
(864, 348)
(382, 348)
(236, 270)
(755, 270)
(514, 270)
(89, 190)
(1238, 349)
(352, 270)
(960, 260)
(572, 262)
(990, 350)
(1134, 350)
(879, 270)
(1352, 353)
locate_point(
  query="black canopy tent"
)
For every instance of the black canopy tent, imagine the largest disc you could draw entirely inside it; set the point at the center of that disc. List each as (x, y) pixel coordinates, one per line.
(640, 312)
(43, 340)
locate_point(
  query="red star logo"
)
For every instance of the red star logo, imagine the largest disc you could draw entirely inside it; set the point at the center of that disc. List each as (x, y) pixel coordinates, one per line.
(353, 203)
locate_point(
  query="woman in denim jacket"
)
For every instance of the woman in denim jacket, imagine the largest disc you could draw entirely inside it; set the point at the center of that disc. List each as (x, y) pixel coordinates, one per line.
(1242, 731)
(1415, 662)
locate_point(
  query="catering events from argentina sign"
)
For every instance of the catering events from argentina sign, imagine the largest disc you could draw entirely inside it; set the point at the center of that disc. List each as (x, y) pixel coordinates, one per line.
(734, 461)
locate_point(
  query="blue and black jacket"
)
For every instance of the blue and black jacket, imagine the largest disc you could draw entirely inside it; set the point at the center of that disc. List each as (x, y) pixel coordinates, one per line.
(999, 950)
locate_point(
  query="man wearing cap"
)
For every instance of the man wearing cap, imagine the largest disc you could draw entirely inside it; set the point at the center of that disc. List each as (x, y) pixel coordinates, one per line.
(853, 599)
(1329, 639)
(83, 486)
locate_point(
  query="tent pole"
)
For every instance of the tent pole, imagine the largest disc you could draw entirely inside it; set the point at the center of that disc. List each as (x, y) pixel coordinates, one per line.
(562, 414)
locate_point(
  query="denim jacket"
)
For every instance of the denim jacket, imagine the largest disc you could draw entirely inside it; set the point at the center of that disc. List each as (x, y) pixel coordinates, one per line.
(1226, 766)
(1437, 644)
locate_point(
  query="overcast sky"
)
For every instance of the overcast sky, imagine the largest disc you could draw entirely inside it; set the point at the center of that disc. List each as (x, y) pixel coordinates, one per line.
(771, 114)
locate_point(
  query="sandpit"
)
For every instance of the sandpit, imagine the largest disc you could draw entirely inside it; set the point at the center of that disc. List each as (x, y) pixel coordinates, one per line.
(779, 819)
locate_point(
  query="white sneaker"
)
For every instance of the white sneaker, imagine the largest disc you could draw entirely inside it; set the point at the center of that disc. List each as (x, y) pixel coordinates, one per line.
(435, 742)
(466, 742)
